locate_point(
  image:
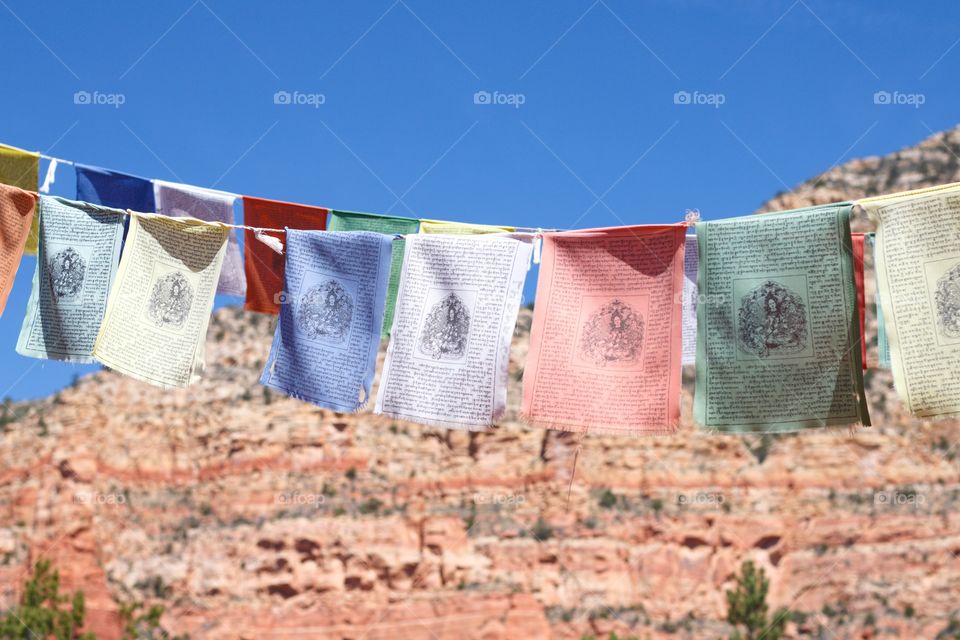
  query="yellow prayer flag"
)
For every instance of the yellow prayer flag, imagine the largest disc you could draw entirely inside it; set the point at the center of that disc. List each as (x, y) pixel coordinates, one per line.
(460, 228)
(21, 169)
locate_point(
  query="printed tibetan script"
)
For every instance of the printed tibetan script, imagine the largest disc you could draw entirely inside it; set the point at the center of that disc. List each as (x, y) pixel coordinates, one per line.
(447, 362)
(605, 347)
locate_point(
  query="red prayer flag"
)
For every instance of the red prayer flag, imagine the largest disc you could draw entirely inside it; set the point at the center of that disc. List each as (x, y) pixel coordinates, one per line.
(858, 239)
(263, 265)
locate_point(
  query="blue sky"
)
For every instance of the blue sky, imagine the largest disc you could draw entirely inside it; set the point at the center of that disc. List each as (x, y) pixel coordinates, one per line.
(582, 126)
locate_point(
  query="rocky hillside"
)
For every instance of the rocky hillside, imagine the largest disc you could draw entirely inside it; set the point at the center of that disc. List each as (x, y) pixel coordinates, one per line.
(249, 515)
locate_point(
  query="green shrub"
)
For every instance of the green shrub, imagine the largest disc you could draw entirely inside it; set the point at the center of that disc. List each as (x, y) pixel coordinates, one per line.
(44, 612)
(747, 607)
(608, 499)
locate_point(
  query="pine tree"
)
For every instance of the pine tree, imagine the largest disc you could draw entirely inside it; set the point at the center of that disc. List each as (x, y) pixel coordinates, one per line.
(747, 607)
(42, 613)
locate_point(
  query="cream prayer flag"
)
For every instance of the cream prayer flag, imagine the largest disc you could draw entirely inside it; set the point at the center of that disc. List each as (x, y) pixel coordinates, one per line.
(185, 201)
(447, 362)
(606, 341)
(917, 258)
(159, 307)
(16, 215)
(460, 228)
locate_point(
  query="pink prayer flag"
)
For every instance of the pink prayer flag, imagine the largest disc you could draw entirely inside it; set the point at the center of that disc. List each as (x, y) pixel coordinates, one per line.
(606, 342)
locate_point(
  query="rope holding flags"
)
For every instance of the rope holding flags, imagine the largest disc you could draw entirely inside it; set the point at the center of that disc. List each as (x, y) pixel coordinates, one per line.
(770, 309)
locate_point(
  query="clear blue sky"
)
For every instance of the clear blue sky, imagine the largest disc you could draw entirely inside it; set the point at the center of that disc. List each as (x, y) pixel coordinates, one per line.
(399, 129)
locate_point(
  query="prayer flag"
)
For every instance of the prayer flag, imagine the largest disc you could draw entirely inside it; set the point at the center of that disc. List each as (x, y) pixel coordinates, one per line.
(918, 278)
(184, 201)
(19, 168)
(114, 189)
(263, 265)
(327, 338)
(159, 307)
(690, 296)
(79, 253)
(449, 353)
(393, 225)
(858, 240)
(460, 228)
(16, 216)
(605, 346)
(778, 344)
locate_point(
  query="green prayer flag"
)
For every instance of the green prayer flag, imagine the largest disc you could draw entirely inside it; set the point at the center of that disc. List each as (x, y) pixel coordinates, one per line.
(778, 330)
(393, 225)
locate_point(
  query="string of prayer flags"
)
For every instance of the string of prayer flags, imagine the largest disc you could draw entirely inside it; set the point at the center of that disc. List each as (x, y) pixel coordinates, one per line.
(263, 265)
(460, 228)
(16, 216)
(689, 313)
(184, 201)
(858, 280)
(917, 262)
(778, 328)
(20, 168)
(449, 352)
(114, 189)
(155, 326)
(883, 345)
(393, 225)
(605, 346)
(79, 253)
(327, 338)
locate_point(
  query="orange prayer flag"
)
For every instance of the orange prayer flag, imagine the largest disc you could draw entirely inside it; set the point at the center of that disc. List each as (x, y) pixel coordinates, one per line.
(16, 214)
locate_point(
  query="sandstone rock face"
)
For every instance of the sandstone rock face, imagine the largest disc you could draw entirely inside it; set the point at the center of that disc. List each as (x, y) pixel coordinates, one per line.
(249, 515)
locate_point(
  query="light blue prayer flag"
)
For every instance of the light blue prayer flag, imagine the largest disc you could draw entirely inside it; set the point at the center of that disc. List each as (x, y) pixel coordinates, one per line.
(883, 346)
(77, 262)
(325, 346)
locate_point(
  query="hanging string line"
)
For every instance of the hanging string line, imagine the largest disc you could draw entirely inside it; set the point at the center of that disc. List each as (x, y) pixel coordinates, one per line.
(534, 231)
